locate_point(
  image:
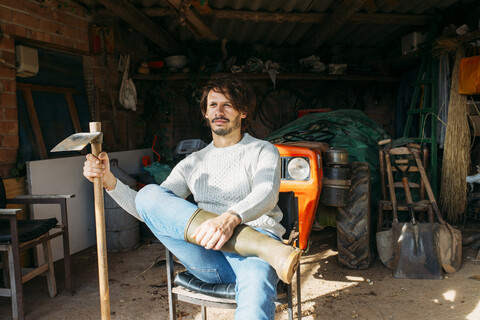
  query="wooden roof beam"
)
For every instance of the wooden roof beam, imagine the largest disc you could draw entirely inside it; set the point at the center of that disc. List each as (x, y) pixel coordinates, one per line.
(192, 21)
(139, 21)
(318, 35)
(356, 18)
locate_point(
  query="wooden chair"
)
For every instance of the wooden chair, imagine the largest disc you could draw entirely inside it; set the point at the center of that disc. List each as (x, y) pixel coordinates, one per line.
(17, 236)
(387, 157)
(185, 287)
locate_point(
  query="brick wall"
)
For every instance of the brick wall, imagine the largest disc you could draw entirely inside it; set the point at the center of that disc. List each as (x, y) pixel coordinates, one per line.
(8, 109)
(65, 28)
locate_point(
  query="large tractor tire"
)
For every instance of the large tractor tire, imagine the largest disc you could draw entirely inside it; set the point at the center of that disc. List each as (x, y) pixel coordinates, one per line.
(353, 221)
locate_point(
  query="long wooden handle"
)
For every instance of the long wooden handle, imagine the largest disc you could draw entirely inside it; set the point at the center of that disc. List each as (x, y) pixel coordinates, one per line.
(428, 188)
(391, 187)
(408, 196)
(100, 227)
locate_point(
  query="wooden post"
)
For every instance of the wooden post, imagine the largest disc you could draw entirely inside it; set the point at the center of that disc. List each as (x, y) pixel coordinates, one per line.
(100, 227)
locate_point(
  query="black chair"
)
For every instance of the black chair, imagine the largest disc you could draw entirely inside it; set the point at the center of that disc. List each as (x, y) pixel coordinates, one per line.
(17, 236)
(186, 287)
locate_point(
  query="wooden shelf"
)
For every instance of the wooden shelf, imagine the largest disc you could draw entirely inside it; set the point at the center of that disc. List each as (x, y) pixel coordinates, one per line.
(266, 76)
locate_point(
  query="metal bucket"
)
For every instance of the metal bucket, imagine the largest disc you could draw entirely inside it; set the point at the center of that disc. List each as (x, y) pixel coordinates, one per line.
(335, 186)
(122, 229)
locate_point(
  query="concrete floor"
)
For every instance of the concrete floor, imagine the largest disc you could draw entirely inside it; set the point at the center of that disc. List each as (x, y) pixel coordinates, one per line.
(329, 291)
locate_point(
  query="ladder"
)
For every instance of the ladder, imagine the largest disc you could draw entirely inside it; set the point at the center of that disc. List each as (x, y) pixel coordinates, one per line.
(424, 105)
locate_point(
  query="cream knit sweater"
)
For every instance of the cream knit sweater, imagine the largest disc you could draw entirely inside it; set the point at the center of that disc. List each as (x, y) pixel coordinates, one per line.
(244, 178)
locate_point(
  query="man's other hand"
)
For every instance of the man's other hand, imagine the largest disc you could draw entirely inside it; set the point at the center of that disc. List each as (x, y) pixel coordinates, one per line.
(99, 167)
(213, 233)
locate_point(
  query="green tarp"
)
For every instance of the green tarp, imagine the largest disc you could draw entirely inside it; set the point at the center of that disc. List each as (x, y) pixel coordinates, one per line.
(349, 129)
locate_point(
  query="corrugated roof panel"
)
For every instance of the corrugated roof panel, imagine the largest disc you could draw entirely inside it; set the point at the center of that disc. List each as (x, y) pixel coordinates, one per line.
(377, 33)
(298, 33)
(343, 33)
(273, 5)
(320, 5)
(424, 6)
(290, 33)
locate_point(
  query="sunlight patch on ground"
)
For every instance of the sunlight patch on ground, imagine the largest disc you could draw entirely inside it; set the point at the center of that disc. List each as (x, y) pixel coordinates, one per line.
(475, 314)
(450, 295)
(354, 278)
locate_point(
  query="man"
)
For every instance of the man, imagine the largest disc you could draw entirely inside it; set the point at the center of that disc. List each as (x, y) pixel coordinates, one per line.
(235, 181)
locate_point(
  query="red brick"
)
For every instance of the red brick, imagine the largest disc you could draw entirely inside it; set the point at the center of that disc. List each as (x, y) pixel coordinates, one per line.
(11, 29)
(8, 155)
(98, 73)
(49, 26)
(35, 8)
(8, 100)
(100, 84)
(61, 41)
(11, 114)
(5, 14)
(8, 56)
(41, 36)
(9, 86)
(82, 46)
(79, 11)
(74, 33)
(72, 21)
(1, 141)
(14, 4)
(10, 141)
(7, 73)
(8, 126)
(6, 168)
(7, 44)
(25, 19)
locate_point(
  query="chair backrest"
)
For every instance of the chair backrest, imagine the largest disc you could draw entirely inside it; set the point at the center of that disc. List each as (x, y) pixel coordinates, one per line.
(3, 195)
(287, 202)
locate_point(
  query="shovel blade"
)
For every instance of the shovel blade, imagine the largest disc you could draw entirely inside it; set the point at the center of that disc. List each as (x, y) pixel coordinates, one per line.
(416, 251)
(450, 244)
(77, 141)
(385, 247)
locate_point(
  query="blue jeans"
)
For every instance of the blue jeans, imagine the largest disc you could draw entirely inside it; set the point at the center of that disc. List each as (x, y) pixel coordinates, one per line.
(256, 281)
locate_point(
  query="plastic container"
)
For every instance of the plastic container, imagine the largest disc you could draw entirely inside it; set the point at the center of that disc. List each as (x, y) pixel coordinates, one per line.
(122, 229)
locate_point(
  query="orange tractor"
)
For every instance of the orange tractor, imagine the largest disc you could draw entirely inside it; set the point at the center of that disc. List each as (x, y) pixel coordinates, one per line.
(324, 182)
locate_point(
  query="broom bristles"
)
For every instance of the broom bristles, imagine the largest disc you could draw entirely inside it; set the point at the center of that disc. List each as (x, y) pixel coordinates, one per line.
(456, 155)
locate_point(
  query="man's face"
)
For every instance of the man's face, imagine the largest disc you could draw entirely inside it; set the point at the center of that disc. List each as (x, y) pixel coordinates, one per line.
(222, 116)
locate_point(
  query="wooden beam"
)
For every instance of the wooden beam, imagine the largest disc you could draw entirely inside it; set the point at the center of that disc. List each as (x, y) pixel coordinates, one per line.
(193, 22)
(139, 21)
(73, 112)
(391, 19)
(370, 6)
(260, 16)
(44, 88)
(317, 36)
(32, 115)
(50, 46)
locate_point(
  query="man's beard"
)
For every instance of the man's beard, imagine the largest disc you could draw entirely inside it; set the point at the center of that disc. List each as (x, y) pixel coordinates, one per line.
(226, 131)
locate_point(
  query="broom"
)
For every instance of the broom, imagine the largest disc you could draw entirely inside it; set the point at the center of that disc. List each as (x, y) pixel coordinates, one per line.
(456, 155)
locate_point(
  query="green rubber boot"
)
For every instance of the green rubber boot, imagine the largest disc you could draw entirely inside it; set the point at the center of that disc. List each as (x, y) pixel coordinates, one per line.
(248, 242)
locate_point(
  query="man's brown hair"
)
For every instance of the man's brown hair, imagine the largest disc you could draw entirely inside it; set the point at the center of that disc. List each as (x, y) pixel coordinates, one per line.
(237, 91)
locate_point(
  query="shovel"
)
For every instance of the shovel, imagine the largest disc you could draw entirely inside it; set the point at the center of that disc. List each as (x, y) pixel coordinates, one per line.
(449, 239)
(77, 142)
(385, 238)
(416, 252)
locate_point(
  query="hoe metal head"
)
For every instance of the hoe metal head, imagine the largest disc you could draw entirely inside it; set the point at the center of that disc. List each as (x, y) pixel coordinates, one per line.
(78, 141)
